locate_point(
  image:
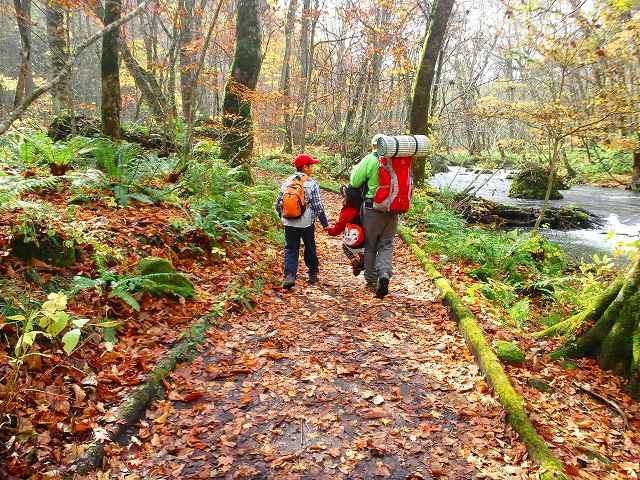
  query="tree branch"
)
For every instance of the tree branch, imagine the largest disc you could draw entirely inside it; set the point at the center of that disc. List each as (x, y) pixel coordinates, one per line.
(37, 93)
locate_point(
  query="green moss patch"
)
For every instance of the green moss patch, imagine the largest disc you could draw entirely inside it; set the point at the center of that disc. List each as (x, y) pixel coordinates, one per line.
(532, 184)
(509, 352)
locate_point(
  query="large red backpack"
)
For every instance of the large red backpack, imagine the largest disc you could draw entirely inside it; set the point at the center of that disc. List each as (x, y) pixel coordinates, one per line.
(395, 185)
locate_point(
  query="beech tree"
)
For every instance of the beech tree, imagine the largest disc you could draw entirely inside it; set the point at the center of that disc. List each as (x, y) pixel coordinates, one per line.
(59, 55)
(25, 77)
(609, 329)
(237, 141)
(111, 100)
(423, 82)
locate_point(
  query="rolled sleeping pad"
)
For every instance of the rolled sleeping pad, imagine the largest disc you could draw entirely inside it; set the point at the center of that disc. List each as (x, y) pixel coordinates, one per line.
(402, 145)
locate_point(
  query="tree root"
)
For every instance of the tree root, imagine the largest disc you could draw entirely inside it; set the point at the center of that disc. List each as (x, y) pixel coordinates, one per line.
(595, 311)
(550, 466)
(606, 400)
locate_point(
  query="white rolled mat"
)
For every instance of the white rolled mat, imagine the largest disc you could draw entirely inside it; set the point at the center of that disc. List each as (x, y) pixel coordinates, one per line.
(402, 145)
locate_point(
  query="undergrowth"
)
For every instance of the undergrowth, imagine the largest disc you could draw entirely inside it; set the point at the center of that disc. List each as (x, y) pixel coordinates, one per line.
(514, 269)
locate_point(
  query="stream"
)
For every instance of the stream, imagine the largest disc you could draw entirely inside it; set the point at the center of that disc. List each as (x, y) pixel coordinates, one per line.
(619, 209)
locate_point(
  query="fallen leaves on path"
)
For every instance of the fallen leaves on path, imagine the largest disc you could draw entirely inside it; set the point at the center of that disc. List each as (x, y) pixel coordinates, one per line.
(349, 387)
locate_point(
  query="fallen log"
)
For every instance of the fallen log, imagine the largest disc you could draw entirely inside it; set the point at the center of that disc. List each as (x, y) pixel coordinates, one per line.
(62, 126)
(480, 210)
(550, 467)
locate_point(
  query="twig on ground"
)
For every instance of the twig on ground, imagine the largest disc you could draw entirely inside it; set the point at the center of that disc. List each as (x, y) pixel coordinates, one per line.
(606, 400)
(262, 338)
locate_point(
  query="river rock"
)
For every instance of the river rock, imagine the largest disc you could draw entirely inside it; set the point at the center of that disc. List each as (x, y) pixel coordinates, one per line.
(532, 184)
(439, 164)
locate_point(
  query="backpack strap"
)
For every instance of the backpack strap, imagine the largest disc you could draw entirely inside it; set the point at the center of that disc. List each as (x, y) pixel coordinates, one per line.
(397, 146)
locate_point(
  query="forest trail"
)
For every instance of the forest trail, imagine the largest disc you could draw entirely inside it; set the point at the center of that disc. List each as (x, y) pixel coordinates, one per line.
(343, 386)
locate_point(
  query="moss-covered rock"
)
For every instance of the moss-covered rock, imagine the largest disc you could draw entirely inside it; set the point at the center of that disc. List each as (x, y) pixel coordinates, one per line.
(149, 265)
(50, 249)
(509, 352)
(439, 164)
(532, 184)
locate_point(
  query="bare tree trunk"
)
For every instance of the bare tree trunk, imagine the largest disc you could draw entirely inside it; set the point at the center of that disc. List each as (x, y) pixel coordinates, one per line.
(421, 98)
(285, 79)
(305, 28)
(635, 179)
(59, 50)
(189, 33)
(110, 68)
(369, 100)
(237, 142)
(307, 77)
(351, 111)
(552, 178)
(25, 77)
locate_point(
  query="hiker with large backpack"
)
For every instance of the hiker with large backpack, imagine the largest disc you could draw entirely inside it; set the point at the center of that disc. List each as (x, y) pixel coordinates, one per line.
(385, 174)
(298, 205)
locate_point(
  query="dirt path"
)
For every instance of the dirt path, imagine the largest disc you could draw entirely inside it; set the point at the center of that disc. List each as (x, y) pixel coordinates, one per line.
(345, 386)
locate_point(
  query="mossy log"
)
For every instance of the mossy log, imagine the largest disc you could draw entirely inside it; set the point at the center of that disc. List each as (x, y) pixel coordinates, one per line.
(531, 183)
(482, 211)
(49, 249)
(550, 466)
(135, 405)
(613, 333)
(62, 126)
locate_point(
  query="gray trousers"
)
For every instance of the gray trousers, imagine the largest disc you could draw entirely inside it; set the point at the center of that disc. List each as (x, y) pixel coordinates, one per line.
(380, 229)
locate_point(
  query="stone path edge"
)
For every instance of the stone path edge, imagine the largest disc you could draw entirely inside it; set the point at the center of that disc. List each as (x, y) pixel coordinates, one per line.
(135, 404)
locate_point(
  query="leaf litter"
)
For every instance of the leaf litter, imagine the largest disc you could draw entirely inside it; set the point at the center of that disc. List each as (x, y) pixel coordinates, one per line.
(349, 387)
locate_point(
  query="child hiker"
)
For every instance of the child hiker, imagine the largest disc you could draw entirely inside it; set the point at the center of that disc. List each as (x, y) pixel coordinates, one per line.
(349, 223)
(298, 205)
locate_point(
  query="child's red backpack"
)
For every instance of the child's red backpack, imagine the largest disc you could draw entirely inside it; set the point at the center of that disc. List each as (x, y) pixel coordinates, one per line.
(293, 201)
(395, 185)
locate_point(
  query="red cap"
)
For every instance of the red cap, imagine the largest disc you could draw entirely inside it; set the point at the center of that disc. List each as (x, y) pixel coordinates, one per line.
(304, 159)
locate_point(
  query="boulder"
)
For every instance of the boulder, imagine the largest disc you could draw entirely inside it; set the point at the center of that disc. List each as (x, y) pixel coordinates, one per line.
(532, 184)
(439, 164)
(509, 352)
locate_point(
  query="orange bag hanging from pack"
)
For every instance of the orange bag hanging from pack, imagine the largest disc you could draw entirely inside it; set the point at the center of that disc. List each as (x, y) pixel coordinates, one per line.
(293, 201)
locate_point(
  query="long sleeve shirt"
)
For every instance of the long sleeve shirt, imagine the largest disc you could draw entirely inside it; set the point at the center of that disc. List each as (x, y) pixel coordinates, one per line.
(366, 172)
(313, 201)
(346, 215)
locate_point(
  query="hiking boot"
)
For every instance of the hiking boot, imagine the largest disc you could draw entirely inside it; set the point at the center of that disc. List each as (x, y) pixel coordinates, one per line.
(313, 278)
(289, 281)
(372, 287)
(357, 264)
(383, 287)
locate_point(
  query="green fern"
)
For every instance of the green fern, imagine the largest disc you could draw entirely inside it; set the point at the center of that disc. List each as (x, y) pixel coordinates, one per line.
(13, 186)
